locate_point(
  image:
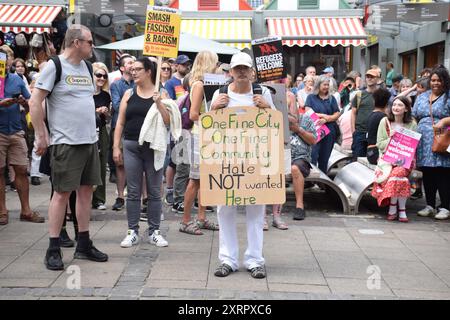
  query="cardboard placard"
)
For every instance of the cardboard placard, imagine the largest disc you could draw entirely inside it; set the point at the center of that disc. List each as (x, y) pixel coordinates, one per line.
(2, 74)
(401, 149)
(162, 32)
(268, 58)
(242, 157)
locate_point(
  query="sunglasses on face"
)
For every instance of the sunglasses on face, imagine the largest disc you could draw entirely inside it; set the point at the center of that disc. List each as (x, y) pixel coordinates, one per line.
(166, 69)
(91, 42)
(99, 76)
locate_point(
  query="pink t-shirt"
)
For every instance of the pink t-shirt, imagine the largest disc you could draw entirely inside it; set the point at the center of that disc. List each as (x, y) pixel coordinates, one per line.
(345, 125)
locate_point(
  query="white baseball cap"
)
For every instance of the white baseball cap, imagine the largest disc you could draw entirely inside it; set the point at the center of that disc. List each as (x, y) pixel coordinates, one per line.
(241, 59)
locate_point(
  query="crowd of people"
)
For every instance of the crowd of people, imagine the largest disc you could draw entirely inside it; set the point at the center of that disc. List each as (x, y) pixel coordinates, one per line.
(74, 123)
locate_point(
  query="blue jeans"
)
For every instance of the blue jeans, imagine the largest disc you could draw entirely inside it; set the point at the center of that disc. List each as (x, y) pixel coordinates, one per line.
(321, 152)
(359, 144)
(137, 160)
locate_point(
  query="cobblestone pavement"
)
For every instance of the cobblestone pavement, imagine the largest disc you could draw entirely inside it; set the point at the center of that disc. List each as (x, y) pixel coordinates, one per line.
(326, 256)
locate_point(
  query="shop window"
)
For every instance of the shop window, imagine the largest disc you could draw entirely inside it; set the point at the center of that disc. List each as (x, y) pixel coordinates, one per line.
(208, 5)
(308, 4)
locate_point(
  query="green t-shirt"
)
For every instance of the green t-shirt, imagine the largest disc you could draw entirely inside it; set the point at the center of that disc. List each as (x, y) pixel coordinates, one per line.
(364, 111)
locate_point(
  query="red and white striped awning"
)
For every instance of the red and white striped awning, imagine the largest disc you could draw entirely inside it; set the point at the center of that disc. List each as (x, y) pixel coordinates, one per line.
(318, 31)
(27, 18)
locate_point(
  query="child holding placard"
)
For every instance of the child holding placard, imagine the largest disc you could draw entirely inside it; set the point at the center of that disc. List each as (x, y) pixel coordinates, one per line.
(391, 180)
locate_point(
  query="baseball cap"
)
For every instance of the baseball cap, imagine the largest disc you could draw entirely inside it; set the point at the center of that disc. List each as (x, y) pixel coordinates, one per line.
(328, 69)
(241, 59)
(182, 59)
(373, 73)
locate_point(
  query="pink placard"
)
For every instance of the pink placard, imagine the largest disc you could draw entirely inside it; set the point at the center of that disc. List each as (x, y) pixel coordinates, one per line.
(401, 149)
(321, 130)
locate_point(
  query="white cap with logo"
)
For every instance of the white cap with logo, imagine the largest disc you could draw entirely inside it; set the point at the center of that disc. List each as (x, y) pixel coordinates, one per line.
(241, 59)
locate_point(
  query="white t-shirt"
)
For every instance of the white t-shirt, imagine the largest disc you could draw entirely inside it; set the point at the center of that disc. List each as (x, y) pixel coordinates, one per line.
(246, 99)
(70, 107)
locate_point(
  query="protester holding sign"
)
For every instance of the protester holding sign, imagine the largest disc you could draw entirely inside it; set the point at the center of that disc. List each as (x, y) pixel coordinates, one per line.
(326, 107)
(138, 159)
(205, 62)
(391, 180)
(241, 93)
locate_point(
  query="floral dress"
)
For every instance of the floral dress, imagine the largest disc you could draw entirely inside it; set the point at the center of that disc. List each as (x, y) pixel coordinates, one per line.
(395, 183)
(421, 111)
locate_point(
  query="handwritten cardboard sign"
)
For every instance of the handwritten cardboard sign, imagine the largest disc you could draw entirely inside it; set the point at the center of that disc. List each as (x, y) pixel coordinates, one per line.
(2, 74)
(402, 147)
(268, 58)
(242, 157)
(162, 32)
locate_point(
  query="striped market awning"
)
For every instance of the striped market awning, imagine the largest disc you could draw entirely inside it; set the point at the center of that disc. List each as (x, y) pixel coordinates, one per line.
(318, 31)
(27, 18)
(232, 32)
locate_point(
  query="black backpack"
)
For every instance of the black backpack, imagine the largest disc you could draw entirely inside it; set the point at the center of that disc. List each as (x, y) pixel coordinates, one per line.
(58, 66)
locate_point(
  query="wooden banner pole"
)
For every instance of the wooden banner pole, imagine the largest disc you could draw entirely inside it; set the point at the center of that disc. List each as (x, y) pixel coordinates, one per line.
(158, 74)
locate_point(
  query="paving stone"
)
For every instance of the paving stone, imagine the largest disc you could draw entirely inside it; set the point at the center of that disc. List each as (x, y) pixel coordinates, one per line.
(149, 292)
(178, 293)
(17, 292)
(247, 295)
(196, 294)
(52, 292)
(102, 292)
(421, 294)
(304, 288)
(227, 294)
(123, 298)
(358, 287)
(163, 292)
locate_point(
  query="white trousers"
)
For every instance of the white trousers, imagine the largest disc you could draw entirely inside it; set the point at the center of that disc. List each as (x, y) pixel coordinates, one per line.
(228, 239)
(35, 162)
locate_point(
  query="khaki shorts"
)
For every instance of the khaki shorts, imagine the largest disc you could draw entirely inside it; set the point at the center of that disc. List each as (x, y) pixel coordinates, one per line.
(74, 165)
(14, 148)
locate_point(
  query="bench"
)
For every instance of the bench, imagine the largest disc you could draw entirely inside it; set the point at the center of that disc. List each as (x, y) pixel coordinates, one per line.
(338, 157)
(356, 178)
(317, 176)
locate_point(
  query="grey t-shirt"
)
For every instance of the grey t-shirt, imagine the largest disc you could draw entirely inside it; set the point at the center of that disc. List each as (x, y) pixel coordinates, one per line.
(70, 107)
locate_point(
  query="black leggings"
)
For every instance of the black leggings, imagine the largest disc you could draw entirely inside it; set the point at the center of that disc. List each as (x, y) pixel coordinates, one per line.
(437, 179)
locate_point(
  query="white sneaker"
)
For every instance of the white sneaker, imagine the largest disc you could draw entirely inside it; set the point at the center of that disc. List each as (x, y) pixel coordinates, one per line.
(130, 240)
(425, 212)
(101, 206)
(442, 214)
(157, 239)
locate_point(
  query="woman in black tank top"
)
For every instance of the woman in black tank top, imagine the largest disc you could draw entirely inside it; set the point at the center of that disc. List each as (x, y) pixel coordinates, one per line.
(140, 159)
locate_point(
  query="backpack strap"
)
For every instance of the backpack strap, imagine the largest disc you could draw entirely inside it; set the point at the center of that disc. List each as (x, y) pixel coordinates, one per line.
(358, 99)
(58, 67)
(89, 66)
(224, 89)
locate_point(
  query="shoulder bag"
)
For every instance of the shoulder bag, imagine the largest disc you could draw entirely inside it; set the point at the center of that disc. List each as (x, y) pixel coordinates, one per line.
(441, 139)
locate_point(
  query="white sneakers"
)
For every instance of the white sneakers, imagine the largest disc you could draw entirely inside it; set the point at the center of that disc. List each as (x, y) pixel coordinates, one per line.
(428, 210)
(130, 240)
(425, 212)
(442, 214)
(157, 239)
